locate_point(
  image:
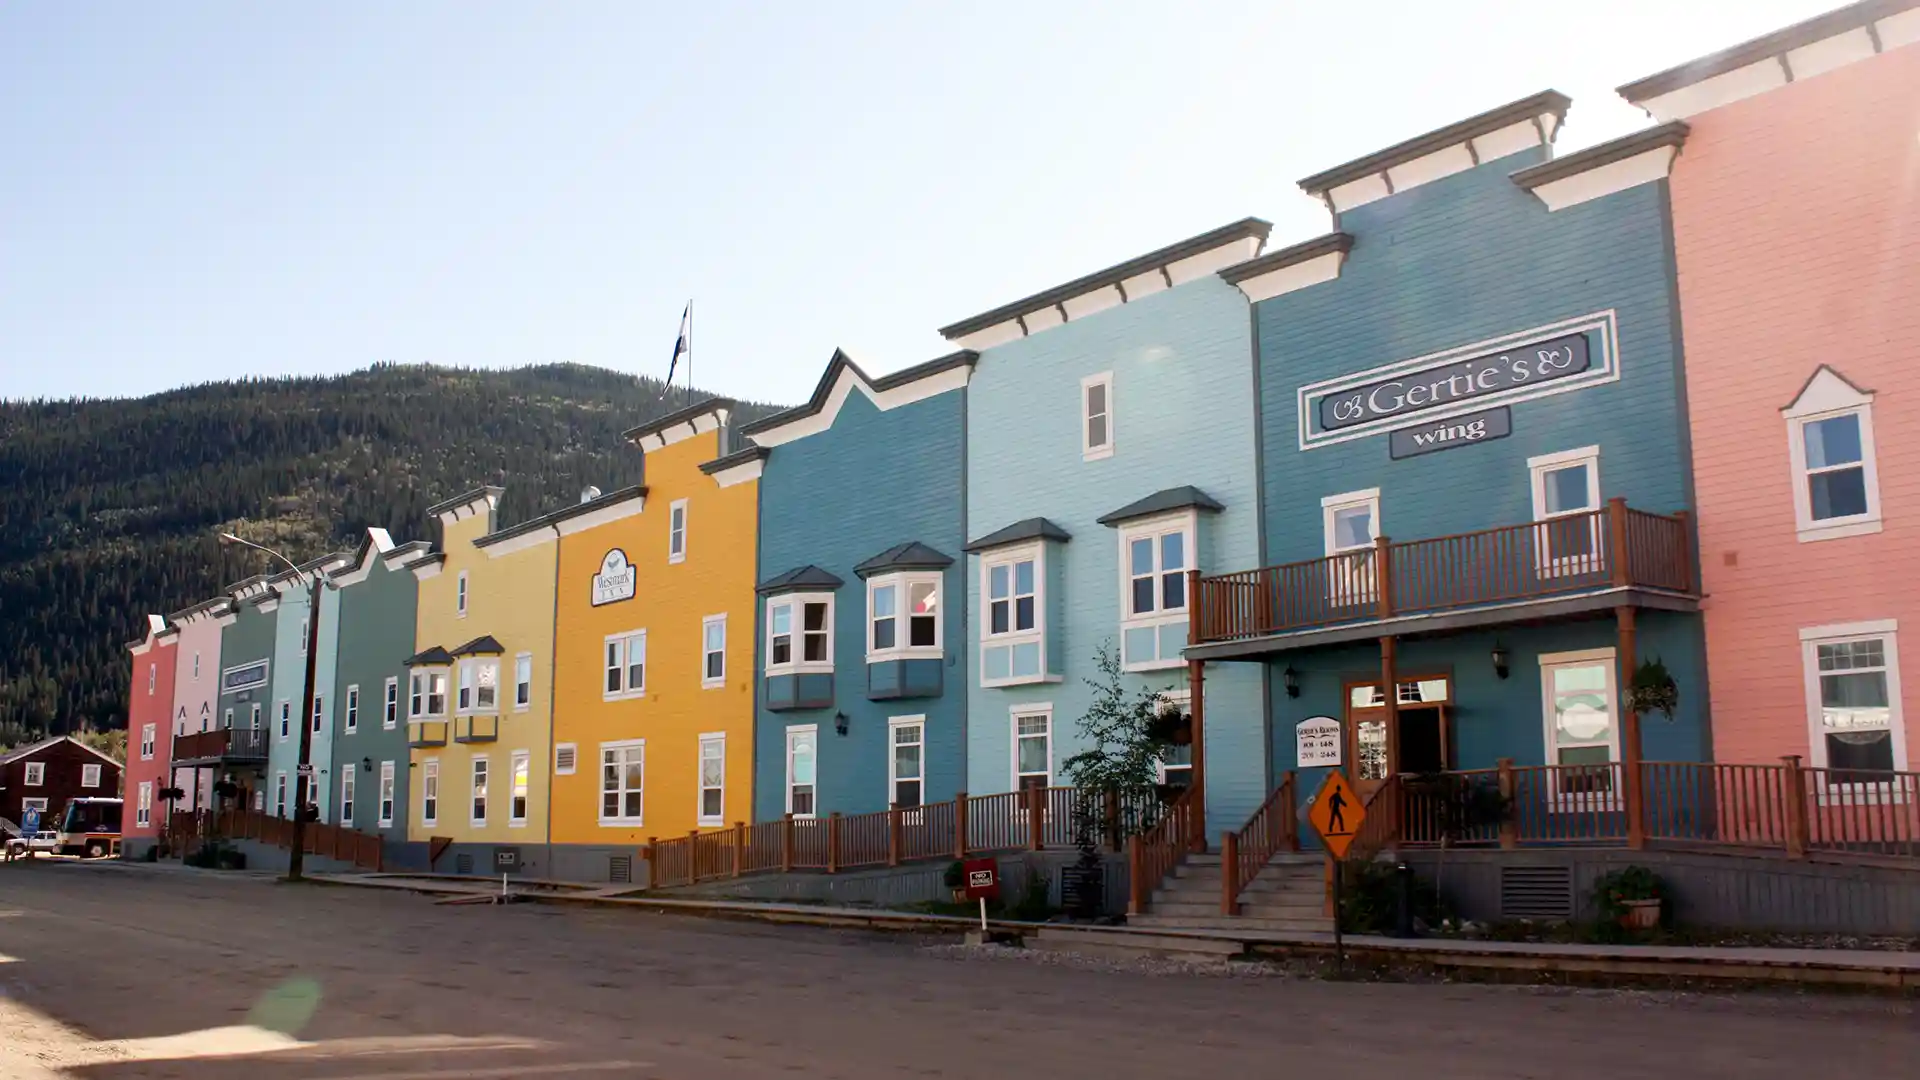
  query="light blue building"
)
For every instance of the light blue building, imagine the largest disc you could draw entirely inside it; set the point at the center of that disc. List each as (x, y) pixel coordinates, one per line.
(861, 699)
(287, 602)
(1111, 449)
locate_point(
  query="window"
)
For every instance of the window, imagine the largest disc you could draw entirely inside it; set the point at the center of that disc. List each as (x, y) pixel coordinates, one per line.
(153, 677)
(1032, 748)
(346, 797)
(1836, 482)
(427, 693)
(460, 595)
(430, 792)
(196, 667)
(226, 720)
(807, 617)
(623, 775)
(143, 810)
(36, 773)
(353, 709)
(713, 652)
(1853, 703)
(1350, 521)
(386, 794)
(626, 664)
(1176, 768)
(564, 758)
(39, 804)
(713, 779)
(1155, 556)
(802, 743)
(677, 531)
(523, 682)
(1566, 498)
(89, 776)
(479, 792)
(1096, 416)
(903, 616)
(479, 686)
(1578, 701)
(253, 717)
(280, 794)
(390, 709)
(148, 735)
(1011, 645)
(319, 712)
(521, 769)
(907, 766)
(306, 630)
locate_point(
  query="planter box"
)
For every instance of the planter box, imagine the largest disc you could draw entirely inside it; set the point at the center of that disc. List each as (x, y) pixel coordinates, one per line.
(1640, 914)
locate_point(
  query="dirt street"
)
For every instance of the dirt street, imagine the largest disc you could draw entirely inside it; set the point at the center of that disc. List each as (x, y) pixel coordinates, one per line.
(104, 969)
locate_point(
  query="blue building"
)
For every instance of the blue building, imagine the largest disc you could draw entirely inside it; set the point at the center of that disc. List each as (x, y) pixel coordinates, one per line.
(286, 599)
(1111, 449)
(862, 688)
(1474, 467)
(376, 602)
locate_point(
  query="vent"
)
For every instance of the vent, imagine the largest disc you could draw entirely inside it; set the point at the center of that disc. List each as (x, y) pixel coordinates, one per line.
(563, 759)
(1536, 892)
(620, 869)
(463, 864)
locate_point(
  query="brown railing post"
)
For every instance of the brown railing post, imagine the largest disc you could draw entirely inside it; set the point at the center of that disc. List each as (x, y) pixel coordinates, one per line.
(893, 836)
(786, 844)
(1617, 540)
(653, 851)
(739, 844)
(1509, 831)
(833, 842)
(1111, 815)
(693, 855)
(1796, 807)
(1136, 877)
(1229, 873)
(1383, 577)
(1036, 821)
(960, 825)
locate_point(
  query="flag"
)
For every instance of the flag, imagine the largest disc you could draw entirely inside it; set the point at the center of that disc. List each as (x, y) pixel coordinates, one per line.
(682, 347)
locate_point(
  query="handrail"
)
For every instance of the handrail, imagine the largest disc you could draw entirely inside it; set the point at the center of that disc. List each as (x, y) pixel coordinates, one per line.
(1152, 856)
(1380, 830)
(1243, 854)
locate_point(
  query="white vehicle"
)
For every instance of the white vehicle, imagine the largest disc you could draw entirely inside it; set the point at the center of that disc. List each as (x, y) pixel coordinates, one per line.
(45, 840)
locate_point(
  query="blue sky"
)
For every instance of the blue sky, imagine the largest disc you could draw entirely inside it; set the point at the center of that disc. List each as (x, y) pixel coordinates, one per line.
(200, 191)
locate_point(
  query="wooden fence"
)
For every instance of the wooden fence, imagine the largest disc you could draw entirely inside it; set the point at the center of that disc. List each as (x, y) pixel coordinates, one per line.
(363, 850)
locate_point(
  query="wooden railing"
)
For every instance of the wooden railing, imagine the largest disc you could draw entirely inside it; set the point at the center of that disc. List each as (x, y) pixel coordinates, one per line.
(1607, 548)
(237, 743)
(1380, 830)
(364, 850)
(1273, 828)
(1152, 855)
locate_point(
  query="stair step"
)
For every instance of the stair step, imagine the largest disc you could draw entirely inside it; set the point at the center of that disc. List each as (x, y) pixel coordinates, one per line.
(1217, 922)
(1181, 905)
(1307, 910)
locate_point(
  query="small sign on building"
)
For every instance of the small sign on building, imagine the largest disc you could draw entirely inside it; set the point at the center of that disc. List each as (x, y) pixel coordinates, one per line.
(1317, 742)
(615, 581)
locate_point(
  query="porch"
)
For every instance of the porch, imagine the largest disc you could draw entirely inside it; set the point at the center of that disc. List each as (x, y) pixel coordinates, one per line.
(231, 746)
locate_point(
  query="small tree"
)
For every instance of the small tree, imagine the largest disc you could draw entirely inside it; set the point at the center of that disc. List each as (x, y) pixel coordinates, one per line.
(1127, 733)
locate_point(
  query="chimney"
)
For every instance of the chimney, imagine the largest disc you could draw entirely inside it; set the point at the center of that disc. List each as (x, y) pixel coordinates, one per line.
(589, 493)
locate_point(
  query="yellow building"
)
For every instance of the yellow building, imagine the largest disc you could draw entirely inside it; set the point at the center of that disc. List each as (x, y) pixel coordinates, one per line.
(654, 663)
(478, 697)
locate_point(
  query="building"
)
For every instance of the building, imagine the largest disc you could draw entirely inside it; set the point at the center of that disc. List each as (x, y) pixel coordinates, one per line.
(149, 734)
(1799, 267)
(373, 608)
(45, 775)
(862, 654)
(202, 752)
(1110, 450)
(479, 695)
(1474, 467)
(286, 598)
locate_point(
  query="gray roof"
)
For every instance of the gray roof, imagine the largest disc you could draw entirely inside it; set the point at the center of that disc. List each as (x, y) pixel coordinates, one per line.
(1670, 134)
(679, 416)
(1185, 497)
(912, 555)
(839, 362)
(1547, 101)
(484, 645)
(571, 511)
(738, 457)
(1287, 256)
(1034, 528)
(1818, 28)
(464, 498)
(807, 578)
(432, 654)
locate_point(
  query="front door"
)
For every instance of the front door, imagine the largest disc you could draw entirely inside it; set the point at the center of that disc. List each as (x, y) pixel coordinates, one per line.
(1424, 743)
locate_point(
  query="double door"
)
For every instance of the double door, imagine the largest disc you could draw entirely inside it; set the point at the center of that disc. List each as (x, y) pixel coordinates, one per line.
(1421, 741)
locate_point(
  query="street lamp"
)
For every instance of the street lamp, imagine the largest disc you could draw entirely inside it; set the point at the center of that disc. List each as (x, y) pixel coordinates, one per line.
(296, 859)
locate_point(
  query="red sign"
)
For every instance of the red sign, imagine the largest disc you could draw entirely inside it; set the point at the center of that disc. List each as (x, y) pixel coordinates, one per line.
(983, 878)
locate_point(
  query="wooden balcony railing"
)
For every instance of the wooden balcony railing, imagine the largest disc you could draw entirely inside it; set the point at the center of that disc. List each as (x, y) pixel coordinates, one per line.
(239, 744)
(1607, 548)
(1273, 828)
(1152, 855)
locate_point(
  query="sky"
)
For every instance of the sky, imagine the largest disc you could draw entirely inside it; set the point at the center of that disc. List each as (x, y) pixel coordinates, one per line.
(199, 191)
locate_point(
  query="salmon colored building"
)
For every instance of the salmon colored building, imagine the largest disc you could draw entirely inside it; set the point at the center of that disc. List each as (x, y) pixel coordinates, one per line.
(1796, 220)
(149, 734)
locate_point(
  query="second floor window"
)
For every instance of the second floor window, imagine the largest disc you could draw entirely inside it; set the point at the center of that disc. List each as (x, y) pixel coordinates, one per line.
(903, 614)
(1155, 556)
(1836, 475)
(390, 711)
(626, 664)
(523, 681)
(800, 631)
(1011, 642)
(352, 719)
(713, 651)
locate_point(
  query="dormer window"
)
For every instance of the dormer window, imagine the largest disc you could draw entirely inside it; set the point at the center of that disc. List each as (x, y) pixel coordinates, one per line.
(1830, 445)
(800, 632)
(903, 616)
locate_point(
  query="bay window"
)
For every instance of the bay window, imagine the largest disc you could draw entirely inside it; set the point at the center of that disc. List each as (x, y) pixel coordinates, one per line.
(903, 616)
(1155, 555)
(800, 632)
(1012, 632)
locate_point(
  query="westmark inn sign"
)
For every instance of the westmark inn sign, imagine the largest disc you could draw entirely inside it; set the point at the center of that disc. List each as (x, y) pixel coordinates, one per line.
(1534, 363)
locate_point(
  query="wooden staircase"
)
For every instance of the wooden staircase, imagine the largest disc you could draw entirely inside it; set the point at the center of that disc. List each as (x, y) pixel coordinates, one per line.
(1288, 895)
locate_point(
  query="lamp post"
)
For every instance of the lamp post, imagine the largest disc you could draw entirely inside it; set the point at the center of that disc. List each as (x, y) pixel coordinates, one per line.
(296, 859)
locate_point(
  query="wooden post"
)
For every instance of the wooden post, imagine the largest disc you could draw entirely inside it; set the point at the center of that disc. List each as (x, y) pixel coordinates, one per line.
(833, 842)
(893, 836)
(1197, 709)
(653, 848)
(1617, 541)
(786, 844)
(1509, 832)
(1229, 873)
(1796, 807)
(693, 855)
(1136, 877)
(1196, 623)
(1036, 820)
(1390, 694)
(1111, 814)
(960, 825)
(1630, 731)
(739, 845)
(1383, 576)
(1291, 810)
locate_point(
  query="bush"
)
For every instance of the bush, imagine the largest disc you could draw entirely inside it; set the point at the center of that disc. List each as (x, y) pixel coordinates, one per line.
(956, 875)
(1612, 891)
(1033, 905)
(1370, 899)
(231, 859)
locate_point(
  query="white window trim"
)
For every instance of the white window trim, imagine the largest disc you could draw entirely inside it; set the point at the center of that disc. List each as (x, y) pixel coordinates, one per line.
(1810, 530)
(430, 771)
(36, 774)
(143, 809)
(1181, 699)
(902, 584)
(1186, 522)
(626, 692)
(799, 601)
(386, 796)
(894, 724)
(90, 770)
(1537, 469)
(351, 720)
(318, 721)
(709, 682)
(1368, 497)
(1007, 557)
(280, 794)
(286, 719)
(461, 595)
(803, 729)
(677, 553)
(253, 717)
(1353, 581)
(699, 780)
(1014, 713)
(1088, 451)
(571, 769)
(1887, 630)
(514, 761)
(600, 791)
(36, 802)
(517, 657)
(1575, 802)
(469, 677)
(153, 677)
(349, 789)
(479, 822)
(390, 705)
(149, 735)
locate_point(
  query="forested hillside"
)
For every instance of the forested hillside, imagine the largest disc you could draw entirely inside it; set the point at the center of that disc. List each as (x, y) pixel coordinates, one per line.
(108, 508)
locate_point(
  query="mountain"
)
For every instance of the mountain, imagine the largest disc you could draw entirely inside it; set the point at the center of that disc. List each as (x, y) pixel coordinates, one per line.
(108, 508)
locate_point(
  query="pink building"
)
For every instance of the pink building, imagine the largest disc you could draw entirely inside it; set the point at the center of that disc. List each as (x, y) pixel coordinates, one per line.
(149, 734)
(1796, 221)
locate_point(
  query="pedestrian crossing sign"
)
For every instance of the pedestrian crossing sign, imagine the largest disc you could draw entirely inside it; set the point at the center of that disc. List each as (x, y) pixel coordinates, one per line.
(1336, 813)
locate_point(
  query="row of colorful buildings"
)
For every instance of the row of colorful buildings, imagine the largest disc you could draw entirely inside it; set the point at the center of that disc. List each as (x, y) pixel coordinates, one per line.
(1513, 426)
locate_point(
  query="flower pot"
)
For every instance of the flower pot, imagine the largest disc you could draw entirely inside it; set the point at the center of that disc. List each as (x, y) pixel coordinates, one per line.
(1640, 914)
(959, 896)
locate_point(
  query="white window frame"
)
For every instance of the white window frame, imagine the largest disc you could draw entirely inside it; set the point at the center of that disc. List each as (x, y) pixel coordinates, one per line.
(804, 729)
(196, 667)
(387, 802)
(519, 788)
(798, 602)
(479, 773)
(430, 792)
(280, 794)
(1010, 557)
(623, 642)
(1581, 802)
(143, 809)
(1571, 565)
(317, 720)
(286, 719)
(226, 719)
(153, 677)
(710, 738)
(471, 669)
(1350, 581)
(390, 707)
(460, 597)
(1887, 632)
(918, 722)
(351, 721)
(1015, 714)
(429, 678)
(621, 821)
(149, 736)
(902, 585)
(1089, 450)
(572, 765)
(90, 775)
(677, 531)
(710, 681)
(1827, 396)
(1186, 523)
(1181, 699)
(253, 717)
(347, 793)
(522, 662)
(37, 802)
(36, 774)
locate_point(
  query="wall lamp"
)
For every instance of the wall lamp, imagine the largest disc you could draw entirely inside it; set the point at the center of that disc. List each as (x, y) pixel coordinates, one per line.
(840, 723)
(1293, 681)
(366, 763)
(1499, 660)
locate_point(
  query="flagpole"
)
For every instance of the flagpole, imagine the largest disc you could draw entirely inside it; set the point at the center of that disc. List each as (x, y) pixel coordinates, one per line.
(689, 352)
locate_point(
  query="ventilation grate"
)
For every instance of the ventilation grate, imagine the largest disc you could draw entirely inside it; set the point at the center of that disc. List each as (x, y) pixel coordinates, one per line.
(463, 864)
(1536, 892)
(620, 869)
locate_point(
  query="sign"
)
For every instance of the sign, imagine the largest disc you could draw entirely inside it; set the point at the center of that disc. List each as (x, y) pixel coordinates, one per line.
(304, 770)
(30, 821)
(1336, 814)
(1316, 742)
(1451, 432)
(243, 677)
(506, 859)
(615, 581)
(983, 879)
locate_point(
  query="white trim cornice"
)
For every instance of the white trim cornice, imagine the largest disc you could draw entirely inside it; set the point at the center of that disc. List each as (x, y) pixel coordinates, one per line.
(844, 384)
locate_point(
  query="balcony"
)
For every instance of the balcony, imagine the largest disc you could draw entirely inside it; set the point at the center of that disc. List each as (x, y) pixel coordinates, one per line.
(476, 729)
(1581, 562)
(426, 733)
(220, 747)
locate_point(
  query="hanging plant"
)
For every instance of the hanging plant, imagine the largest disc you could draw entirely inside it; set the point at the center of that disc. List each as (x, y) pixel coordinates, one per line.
(1170, 725)
(1653, 689)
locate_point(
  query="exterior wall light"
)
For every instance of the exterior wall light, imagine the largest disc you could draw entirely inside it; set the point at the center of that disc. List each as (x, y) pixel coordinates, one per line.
(1293, 681)
(1499, 660)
